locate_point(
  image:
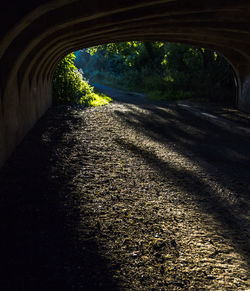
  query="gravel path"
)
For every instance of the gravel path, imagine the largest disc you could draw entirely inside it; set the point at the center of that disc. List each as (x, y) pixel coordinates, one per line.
(126, 197)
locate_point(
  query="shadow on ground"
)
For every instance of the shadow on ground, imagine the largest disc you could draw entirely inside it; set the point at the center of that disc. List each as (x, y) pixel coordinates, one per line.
(222, 156)
(40, 249)
(40, 215)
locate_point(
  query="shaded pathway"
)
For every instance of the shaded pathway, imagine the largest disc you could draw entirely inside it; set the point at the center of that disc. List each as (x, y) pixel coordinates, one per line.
(126, 196)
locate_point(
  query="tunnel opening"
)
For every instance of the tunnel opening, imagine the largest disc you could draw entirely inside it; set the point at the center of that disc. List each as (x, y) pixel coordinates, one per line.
(65, 222)
(163, 71)
(38, 36)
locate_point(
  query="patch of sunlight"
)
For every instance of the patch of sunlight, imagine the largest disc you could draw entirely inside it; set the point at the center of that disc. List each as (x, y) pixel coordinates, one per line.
(171, 156)
(99, 99)
(164, 62)
(169, 79)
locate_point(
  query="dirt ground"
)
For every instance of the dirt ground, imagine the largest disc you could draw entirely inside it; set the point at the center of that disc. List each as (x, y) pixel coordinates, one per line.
(126, 197)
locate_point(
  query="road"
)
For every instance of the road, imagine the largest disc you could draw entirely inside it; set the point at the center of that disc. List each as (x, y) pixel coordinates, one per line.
(129, 196)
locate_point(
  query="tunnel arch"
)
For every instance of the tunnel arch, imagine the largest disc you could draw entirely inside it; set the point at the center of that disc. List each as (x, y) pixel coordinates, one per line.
(37, 34)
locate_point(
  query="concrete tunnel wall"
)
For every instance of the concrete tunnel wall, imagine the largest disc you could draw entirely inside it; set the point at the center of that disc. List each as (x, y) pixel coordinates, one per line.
(36, 34)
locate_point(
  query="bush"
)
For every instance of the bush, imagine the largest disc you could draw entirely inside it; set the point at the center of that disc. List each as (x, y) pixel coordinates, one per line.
(69, 86)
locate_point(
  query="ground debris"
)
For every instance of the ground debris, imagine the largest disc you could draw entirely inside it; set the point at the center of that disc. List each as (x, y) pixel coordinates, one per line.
(123, 203)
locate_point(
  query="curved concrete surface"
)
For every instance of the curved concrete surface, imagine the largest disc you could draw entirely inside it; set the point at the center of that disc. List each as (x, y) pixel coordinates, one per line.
(36, 34)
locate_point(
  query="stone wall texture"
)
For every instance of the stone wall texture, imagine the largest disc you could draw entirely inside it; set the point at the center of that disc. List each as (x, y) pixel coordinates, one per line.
(36, 34)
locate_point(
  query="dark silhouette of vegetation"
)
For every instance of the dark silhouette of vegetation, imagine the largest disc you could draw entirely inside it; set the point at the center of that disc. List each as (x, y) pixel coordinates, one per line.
(165, 71)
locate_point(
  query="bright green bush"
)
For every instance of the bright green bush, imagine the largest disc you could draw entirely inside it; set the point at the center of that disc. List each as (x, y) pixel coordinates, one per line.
(70, 87)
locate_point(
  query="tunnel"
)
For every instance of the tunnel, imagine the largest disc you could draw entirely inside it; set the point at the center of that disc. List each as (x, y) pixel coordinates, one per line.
(36, 34)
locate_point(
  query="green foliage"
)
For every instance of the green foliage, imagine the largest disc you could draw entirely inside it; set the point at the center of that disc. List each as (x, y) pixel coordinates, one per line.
(173, 71)
(70, 87)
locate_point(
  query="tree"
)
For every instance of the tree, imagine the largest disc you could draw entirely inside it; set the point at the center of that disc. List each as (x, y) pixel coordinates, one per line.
(173, 71)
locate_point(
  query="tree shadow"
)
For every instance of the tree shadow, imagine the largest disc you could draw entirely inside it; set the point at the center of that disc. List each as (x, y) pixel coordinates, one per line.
(40, 244)
(211, 146)
(223, 156)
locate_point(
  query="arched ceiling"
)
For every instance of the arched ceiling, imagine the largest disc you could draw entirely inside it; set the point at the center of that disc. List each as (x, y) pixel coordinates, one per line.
(47, 30)
(36, 34)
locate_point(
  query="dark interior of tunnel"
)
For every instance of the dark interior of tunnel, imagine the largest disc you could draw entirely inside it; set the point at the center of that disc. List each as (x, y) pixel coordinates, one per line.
(61, 229)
